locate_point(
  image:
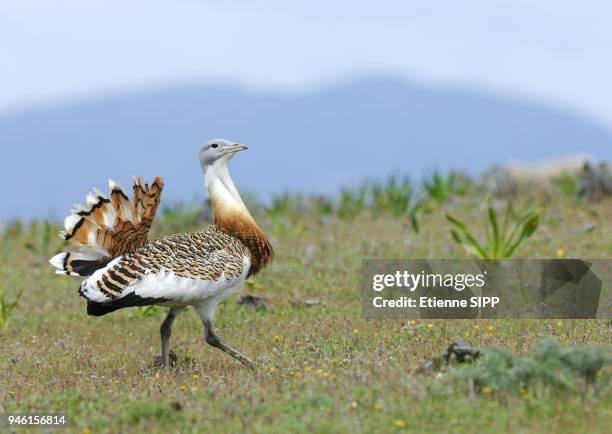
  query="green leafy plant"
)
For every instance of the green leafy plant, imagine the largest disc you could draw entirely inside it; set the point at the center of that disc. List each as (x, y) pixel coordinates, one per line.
(147, 411)
(352, 202)
(282, 204)
(323, 205)
(549, 367)
(7, 307)
(290, 206)
(440, 188)
(414, 215)
(285, 214)
(393, 196)
(9, 239)
(567, 184)
(502, 240)
(40, 240)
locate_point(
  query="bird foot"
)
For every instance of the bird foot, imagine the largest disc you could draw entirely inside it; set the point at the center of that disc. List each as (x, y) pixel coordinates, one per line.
(158, 362)
(249, 363)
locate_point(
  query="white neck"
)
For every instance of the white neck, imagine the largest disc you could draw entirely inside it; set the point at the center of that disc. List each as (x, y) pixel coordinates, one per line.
(233, 217)
(221, 188)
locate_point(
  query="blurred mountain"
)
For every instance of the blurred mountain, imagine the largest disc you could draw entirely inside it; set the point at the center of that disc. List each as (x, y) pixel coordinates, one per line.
(314, 141)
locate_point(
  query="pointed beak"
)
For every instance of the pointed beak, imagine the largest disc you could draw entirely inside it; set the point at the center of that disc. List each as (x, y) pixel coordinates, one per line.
(236, 148)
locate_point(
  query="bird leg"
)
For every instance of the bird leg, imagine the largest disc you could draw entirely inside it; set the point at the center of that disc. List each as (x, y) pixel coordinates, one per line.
(166, 331)
(213, 339)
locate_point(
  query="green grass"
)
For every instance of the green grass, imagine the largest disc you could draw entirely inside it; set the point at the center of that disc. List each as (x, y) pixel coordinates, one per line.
(320, 369)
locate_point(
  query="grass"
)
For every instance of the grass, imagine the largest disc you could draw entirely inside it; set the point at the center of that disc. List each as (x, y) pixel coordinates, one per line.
(321, 369)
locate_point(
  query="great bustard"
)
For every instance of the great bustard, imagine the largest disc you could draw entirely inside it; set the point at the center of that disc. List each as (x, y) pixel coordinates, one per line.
(200, 269)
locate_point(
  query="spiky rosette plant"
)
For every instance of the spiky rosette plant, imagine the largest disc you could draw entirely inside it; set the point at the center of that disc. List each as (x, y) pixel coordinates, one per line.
(502, 239)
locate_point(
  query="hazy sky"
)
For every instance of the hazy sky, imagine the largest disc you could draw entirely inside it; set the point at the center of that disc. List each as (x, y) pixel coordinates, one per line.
(554, 50)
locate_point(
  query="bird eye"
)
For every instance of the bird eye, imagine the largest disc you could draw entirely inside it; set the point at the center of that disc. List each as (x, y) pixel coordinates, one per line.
(214, 145)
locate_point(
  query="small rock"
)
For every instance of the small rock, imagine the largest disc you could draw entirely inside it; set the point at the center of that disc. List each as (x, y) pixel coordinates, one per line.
(589, 227)
(305, 303)
(457, 352)
(460, 352)
(259, 303)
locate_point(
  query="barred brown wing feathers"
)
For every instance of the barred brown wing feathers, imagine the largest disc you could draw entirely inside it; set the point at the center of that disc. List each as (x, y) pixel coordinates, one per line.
(205, 255)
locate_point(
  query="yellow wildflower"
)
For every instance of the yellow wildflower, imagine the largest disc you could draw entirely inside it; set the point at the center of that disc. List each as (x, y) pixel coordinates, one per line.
(399, 423)
(486, 390)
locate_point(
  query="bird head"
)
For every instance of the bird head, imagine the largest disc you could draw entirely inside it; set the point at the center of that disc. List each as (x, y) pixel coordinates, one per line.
(218, 152)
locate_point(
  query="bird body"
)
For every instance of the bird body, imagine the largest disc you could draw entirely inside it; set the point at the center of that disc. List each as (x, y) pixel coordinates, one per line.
(200, 269)
(177, 270)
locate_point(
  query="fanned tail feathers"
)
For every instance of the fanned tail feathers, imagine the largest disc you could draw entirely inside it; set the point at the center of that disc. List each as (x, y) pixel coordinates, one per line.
(108, 227)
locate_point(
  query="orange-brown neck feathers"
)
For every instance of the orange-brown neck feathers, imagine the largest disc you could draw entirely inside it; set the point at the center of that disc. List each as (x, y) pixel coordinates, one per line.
(246, 230)
(232, 216)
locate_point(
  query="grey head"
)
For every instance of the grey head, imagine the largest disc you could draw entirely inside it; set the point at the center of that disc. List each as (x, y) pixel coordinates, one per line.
(219, 151)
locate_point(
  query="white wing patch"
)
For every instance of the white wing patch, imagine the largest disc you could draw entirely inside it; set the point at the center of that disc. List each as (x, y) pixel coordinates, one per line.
(168, 286)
